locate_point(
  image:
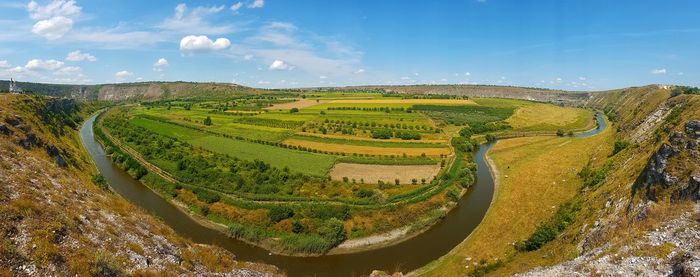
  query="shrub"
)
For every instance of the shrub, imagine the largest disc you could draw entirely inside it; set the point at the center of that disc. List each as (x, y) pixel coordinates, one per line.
(279, 213)
(100, 181)
(294, 110)
(207, 121)
(364, 193)
(619, 146)
(548, 230)
(490, 138)
(207, 196)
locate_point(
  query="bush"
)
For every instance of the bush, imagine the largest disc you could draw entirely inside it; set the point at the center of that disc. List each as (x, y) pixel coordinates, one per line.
(364, 193)
(279, 213)
(619, 146)
(548, 230)
(333, 230)
(490, 138)
(294, 110)
(100, 181)
(207, 196)
(560, 132)
(207, 121)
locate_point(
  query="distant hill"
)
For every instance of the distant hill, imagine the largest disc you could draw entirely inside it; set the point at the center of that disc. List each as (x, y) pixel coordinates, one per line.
(144, 90)
(535, 94)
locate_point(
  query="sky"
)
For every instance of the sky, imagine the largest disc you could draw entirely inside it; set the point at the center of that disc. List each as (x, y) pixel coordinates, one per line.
(559, 44)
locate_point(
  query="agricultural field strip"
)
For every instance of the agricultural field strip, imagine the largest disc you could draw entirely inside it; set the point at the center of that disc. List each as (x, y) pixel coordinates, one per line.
(373, 143)
(371, 150)
(400, 199)
(277, 156)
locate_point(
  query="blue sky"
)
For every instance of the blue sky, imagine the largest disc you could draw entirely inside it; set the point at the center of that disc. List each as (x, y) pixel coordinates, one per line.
(565, 44)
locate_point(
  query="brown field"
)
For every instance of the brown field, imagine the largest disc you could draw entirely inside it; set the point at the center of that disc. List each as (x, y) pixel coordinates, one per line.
(406, 101)
(371, 173)
(301, 103)
(426, 138)
(372, 150)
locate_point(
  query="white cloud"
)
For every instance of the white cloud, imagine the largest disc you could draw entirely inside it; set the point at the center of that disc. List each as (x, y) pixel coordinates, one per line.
(359, 71)
(116, 38)
(405, 78)
(4, 64)
(263, 82)
(280, 65)
(467, 74)
(248, 57)
(123, 74)
(203, 44)
(582, 78)
(53, 28)
(322, 77)
(55, 19)
(77, 56)
(55, 8)
(195, 21)
(256, 4)
(36, 64)
(659, 71)
(237, 6)
(69, 71)
(161, 64)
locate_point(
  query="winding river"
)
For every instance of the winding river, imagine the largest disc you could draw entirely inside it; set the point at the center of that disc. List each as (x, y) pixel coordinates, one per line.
(405, 256)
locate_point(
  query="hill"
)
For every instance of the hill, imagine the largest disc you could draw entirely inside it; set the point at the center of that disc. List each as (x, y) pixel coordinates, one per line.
(534, 94)
(135, 91)
(626, 204)
(57, 218)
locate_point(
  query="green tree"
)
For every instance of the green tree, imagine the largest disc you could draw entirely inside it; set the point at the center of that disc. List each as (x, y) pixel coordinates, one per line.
(207, 121)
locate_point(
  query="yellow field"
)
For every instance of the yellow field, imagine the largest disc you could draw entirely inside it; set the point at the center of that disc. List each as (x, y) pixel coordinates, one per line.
(406, 101)
(548, 117)
(371, 173)
(534, 175)
(301, 103)
(359, 149)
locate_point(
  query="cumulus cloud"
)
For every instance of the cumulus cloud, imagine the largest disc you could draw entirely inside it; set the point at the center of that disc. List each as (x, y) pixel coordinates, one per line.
(69, 71)
(37, 64)
(53, 9)
(77, 56)
(55, 19)
(359, 71)
(53, 28)
(237, 6)
(195, 21)
(161, 64)
(280, 65)
(4, 64)
(123, 74)
(658, 71)
(203, 44)
(256, 4)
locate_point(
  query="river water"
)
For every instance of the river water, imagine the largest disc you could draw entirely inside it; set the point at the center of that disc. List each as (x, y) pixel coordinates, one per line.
(405, 256)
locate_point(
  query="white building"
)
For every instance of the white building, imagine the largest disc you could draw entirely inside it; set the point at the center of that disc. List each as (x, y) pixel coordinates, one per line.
(14, 88)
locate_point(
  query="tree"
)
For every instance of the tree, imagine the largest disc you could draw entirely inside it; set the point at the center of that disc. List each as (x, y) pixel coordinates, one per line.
(207, 121)
(294, 110)
(490, 138)
(560, 132)
(466, 132)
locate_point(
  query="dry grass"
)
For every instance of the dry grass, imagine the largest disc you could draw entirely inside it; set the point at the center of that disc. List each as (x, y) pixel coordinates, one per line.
(406, 101)
(387, 173)
(346, 148)
(536, 175)
(301, 103)
(547, 117)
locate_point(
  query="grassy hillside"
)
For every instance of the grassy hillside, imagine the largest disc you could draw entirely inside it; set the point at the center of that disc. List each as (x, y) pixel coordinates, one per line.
(57, 218)
(630, 210)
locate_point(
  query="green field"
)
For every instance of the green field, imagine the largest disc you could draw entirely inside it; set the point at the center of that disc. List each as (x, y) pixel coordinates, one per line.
(315, 164)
